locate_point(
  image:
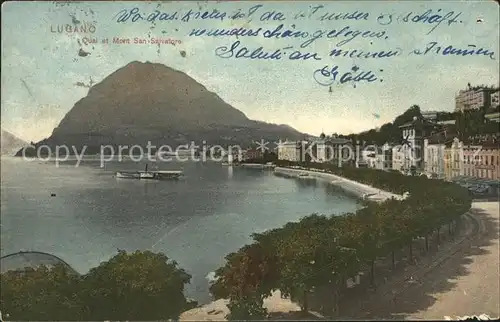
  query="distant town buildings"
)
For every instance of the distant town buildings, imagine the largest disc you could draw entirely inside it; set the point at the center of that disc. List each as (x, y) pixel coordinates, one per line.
(494, 99)
(398, 157)
(383, 158)
(290, 151)
(434, 155)
(252, 154)
(429, 115)
(474, 98)
(453, 156)
(427, 145)
(333, 150)
(412, 145)
(481, 162)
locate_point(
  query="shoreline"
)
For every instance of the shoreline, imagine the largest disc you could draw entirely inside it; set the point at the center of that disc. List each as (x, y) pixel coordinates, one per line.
(360, 190)
(217, 309)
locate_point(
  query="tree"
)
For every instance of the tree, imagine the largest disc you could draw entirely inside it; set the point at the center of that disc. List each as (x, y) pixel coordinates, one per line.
(320, 252)
(249, 276)
(136, 286)
(41, 294)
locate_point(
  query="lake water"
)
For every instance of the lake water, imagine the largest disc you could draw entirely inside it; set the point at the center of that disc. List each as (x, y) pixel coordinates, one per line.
(196, 220)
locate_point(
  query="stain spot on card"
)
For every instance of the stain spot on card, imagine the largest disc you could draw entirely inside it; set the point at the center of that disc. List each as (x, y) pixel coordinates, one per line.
(27, 88)
(82, 84)
(183, 53)
(479, 20)
(83, 53)
(74, 20)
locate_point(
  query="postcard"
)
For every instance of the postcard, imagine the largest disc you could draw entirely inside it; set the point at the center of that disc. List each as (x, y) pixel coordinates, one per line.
(249, 160)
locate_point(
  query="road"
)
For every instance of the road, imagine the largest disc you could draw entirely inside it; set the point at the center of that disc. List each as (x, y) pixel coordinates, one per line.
(465, 283)
(475, 288)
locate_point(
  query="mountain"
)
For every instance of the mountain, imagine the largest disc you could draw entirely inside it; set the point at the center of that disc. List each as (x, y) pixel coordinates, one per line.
(143, 102)
(11, 143)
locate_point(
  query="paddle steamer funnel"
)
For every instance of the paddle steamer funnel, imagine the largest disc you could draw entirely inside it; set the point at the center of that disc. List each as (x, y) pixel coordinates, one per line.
(21, 260)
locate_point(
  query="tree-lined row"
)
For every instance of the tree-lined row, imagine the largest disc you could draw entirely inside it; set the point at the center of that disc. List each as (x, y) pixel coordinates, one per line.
(300, 257)
(321, 251)
(139, 286)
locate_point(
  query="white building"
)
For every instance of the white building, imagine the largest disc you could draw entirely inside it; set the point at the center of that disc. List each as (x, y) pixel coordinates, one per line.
(473, 98)
(429, 115)
(434, 154)
(398, 156)
(290, 151)
(368, 156)
(383, 158)
(413, 134)
(494, 99)
(319, 153)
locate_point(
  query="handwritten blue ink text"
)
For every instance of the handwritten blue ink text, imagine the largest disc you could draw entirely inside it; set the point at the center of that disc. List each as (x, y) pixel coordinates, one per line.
(236, 50)
(327, 76)
(279, 32)
(358, 53)
(243, 52)
(429, 17)
(471, 50)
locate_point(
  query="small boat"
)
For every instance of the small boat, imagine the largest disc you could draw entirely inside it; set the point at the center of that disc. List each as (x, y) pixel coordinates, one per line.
(152, 175)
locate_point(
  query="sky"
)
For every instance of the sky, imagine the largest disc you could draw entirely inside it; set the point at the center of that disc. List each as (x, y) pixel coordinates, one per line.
(41, 69)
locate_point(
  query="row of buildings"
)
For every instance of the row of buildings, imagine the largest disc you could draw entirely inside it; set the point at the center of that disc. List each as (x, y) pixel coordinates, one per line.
(421, 152)
(476, 97)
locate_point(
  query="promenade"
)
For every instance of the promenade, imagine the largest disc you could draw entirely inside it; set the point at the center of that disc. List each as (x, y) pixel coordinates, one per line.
(360, 190)
(468, 283)
(460, 279)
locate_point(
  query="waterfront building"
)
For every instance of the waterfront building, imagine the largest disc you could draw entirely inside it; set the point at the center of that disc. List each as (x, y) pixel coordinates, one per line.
(429, 115)
(481, 162)
(318, 150)
(453, 156)
(384, 158)
(378, 157)
(474, 98)
(494, 99)
(448, 122)
(434, 150)
(291, 151)
(398, 157)
(369, 157)
(342, 151)
(253, 154)
(413, 134)
(332, 150)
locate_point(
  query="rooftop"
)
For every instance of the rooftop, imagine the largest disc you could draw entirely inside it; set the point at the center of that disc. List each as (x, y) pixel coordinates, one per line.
(22, 260)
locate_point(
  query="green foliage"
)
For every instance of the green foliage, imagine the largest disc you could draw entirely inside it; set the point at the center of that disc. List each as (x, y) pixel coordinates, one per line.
(141, 285)
(136, 286)
(41, 294)
(246, 308)
(389, 132)
(320, 250)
